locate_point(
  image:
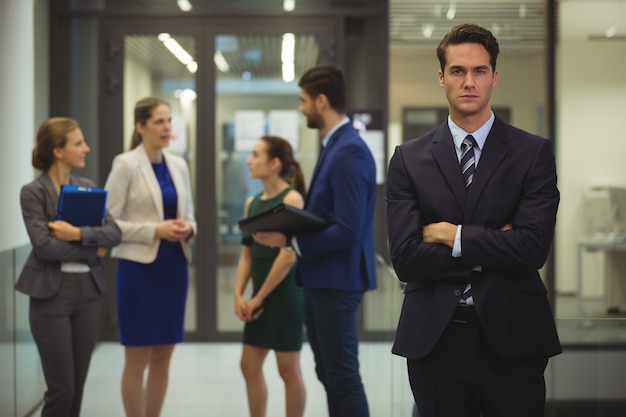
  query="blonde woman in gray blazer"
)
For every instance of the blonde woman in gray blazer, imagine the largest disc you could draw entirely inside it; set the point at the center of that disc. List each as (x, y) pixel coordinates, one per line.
(150, 199)
(63, 274)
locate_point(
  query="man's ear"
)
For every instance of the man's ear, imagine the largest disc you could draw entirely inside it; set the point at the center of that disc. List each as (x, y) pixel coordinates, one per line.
(321, 101)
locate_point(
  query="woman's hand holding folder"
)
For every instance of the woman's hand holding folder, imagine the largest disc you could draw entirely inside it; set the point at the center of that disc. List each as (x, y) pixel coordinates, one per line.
(62, 230)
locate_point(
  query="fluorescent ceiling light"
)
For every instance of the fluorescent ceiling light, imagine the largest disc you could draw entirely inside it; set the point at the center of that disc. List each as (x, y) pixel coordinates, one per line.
(289, 5)
(186, 95)
(427, 30)
(287, 56)
(184, 5)
(220, 62)
(522, 11)
(179, 52)
(451, 11)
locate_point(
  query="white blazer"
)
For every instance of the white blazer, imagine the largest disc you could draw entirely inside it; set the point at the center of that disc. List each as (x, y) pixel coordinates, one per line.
(136, 203)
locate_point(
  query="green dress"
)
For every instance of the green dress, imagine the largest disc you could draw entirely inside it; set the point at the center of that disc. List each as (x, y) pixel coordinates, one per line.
(281, 326)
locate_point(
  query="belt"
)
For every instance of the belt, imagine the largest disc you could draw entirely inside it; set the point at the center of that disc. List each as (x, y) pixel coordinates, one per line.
(464, 314)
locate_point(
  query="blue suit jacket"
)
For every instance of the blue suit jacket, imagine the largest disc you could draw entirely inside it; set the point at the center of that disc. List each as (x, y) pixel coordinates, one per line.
(342, 190)
(514, 183)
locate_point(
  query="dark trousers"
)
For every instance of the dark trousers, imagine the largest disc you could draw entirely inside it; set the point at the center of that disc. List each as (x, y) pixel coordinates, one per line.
(464, 377)
(65, 328)
(331, 324)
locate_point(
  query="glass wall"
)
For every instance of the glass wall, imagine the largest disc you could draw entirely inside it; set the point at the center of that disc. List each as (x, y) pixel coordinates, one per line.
(21, 377)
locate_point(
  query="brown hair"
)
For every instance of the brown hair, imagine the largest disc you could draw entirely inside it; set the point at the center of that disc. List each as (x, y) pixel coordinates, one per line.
(291, 172)
(327, 80)
(469, 33)
(52, 134)
(143, 111)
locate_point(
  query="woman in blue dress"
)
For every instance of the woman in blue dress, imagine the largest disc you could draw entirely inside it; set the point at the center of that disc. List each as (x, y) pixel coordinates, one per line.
(150, 199)
(274, 315)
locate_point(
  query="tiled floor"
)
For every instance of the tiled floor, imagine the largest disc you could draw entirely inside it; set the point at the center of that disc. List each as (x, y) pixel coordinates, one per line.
(205, 381)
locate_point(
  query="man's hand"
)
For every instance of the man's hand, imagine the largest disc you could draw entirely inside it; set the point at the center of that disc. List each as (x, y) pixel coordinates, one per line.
(442, 232)
(270, 239)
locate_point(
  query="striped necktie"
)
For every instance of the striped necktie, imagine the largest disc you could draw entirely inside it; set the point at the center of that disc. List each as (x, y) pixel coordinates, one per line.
(468, 166)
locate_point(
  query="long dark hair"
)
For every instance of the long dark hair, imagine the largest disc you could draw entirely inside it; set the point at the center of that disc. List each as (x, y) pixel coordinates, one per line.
(143, 111)
(291, 172)
(52, 134)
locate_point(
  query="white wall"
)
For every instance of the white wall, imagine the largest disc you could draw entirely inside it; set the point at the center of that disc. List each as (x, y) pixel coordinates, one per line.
(591, 107)
(137, 85)
(17, 114)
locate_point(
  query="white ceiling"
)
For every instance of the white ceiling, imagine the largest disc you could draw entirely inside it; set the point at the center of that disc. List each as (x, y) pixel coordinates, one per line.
(518, 24)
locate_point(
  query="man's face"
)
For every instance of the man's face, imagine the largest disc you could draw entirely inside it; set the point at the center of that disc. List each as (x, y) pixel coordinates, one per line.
(468, 80)
(309, 110)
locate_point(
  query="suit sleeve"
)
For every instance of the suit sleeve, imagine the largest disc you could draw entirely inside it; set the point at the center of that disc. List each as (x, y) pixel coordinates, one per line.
(350, 187)
(413, 259)
(528, 244)
(46, 247)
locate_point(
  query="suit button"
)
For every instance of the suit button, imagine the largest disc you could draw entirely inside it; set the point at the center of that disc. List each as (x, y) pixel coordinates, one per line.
(457, 292)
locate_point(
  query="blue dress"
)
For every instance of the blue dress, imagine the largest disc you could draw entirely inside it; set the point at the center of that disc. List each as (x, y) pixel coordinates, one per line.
(151, 297)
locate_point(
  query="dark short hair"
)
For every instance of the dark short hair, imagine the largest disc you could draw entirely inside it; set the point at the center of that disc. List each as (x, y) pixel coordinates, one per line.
(327, 80)
(52, 134)
(469, 33)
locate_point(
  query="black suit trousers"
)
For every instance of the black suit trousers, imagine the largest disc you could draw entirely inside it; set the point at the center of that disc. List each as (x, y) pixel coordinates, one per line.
(464, 377)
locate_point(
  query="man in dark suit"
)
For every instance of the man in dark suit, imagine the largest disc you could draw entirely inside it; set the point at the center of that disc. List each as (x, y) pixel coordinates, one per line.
(469, 226)
(336, 264)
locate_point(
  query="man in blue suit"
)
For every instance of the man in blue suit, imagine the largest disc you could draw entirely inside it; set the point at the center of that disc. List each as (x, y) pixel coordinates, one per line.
(336, 264)
(471, 211)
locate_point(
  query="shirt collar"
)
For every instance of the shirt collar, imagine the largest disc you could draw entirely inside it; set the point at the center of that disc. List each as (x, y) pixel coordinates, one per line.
(334, 129)
(480, 135)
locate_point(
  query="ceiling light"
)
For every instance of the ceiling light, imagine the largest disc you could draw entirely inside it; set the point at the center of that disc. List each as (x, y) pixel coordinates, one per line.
(451, 11)
(289, 5)
(220, 62)
(522, 10)
(610, 32)
(184, 5)
(178, 51)
(186, 95)
(287, 56)
(427, 29)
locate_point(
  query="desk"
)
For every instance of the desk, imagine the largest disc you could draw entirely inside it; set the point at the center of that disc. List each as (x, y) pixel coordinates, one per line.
(585, 245)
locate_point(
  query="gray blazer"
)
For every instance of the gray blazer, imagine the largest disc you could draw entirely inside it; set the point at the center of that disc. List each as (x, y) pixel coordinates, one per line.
(41, 276)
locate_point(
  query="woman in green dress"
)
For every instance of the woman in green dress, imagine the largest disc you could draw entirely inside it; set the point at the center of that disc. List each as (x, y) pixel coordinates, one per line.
(273, 316)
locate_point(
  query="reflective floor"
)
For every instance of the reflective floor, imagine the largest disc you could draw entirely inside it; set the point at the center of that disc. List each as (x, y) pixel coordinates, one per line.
(205, 381)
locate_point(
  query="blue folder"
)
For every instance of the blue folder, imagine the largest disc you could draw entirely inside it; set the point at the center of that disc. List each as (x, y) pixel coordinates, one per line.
(82, 206)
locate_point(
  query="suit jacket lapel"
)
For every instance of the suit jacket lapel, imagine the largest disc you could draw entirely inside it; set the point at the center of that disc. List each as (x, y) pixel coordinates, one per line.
(445, 155)
(494, 151)
(53, 197)
(323, 155)
(153, 185)
(179, 185)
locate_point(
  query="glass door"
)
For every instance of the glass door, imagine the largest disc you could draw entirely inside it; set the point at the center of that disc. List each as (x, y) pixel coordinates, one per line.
(255, 89)
(226, 85)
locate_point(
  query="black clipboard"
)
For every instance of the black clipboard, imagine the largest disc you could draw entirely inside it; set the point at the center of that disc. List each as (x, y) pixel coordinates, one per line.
(285, 219)
(82, 206)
